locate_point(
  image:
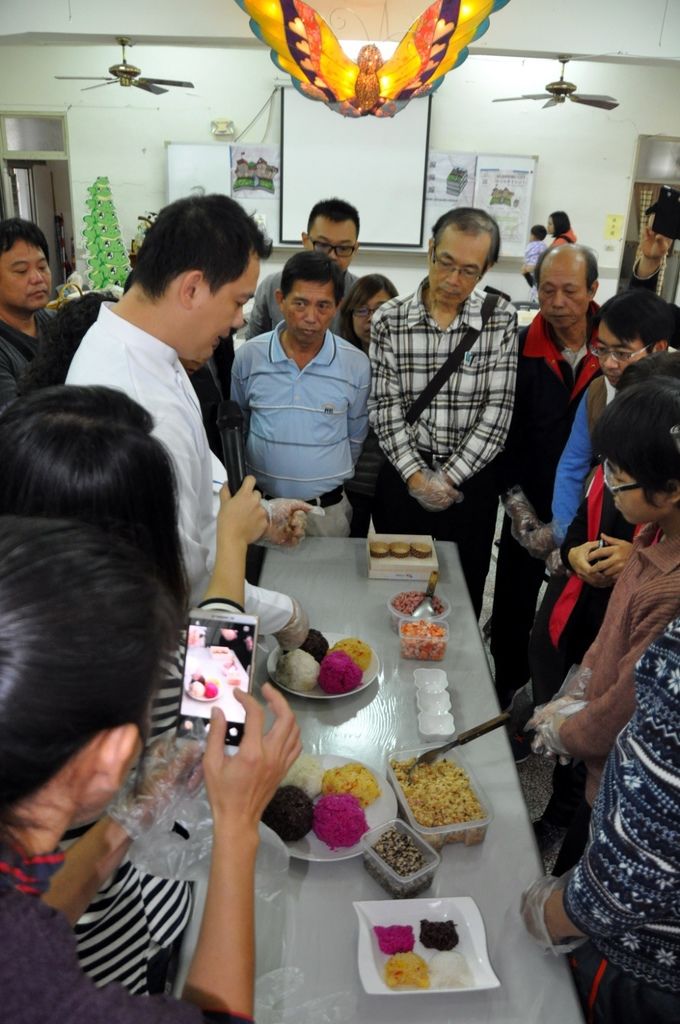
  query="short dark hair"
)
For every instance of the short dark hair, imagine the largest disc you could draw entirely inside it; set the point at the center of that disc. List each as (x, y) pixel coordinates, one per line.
(334, 209)
(361, 292)
(592, 271)
(59, 340)
(657, 364)
(16, 229)
(539, 232)
(62, 586)
(634, 433)
(87, 453)
(212, 234)
(312, 266)
(637, 314)
(561, 223)
(470, 221)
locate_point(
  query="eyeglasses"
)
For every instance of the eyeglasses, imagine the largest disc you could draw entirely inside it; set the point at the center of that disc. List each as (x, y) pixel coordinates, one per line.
(616, 488)
(365, 312)
(619, 355)
(326, 248)
(449, 266)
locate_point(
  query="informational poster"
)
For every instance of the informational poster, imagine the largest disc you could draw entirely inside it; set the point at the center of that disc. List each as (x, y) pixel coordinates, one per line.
(256, 183)
(504, 187)
(450, 178)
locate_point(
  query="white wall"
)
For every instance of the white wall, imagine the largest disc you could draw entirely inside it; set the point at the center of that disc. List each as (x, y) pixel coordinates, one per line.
(585, 156)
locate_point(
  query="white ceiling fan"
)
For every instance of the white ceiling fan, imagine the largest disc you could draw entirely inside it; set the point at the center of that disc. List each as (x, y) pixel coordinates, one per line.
(127, 75)
(558, 92)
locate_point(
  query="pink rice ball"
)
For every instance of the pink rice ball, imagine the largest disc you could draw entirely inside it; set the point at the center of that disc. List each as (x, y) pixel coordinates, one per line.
(396, 938)
(339, 674)
(339, 820)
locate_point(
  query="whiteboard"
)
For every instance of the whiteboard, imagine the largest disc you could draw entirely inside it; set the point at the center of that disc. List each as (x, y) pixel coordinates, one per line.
(504, 187)
(376, 163)
(198, 169)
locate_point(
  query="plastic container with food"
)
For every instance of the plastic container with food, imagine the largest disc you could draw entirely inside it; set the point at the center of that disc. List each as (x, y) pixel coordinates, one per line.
(423, 639)
(440, 803)
(399, 859)
(402, 605)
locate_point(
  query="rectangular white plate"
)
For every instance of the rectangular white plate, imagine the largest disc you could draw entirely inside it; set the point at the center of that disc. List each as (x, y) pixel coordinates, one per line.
(461, 909)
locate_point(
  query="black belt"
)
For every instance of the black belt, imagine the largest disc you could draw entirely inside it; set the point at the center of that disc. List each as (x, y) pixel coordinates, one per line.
(323, 500)
(429, 457)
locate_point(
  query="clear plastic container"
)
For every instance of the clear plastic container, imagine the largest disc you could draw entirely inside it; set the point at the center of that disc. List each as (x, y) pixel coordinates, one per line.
(436, 724)
(436, 703)
(397, 885)
(430, 680)
(423, 639)
(468, 832)
(397, 617)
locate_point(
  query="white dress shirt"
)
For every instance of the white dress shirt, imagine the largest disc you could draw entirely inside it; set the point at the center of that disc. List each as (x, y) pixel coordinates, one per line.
(115, 353)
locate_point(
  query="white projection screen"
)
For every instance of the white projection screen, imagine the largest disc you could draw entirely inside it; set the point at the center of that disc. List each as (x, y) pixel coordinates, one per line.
(376, 163)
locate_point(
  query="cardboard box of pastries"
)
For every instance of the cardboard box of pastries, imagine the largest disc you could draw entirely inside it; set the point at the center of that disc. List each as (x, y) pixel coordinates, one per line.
(400, 556)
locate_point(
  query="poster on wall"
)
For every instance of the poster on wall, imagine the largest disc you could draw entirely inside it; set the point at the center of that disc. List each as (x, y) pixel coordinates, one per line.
(450, 179)
(256, 184)
(504, 187)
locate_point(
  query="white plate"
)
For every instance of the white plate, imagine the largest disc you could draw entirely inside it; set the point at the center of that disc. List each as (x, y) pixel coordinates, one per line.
(317, 693)
(461, 909)
(381, 810)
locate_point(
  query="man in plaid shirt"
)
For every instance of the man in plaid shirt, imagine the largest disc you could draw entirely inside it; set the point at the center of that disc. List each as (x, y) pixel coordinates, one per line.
(438, 478)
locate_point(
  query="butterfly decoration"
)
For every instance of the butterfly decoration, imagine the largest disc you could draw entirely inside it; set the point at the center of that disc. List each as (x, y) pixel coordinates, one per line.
(305, 47)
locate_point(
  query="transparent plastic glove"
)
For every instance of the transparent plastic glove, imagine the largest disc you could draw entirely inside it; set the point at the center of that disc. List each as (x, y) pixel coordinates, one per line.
(537, 537)
(547, 740)
(434, 491)
(287, 522)
(554, 563)
(171, 768)
(532, 909)
(296, 629)
(575, 682)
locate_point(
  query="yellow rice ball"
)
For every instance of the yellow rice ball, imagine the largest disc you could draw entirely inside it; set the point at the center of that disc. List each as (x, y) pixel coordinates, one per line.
(354, 779)
(407, 970)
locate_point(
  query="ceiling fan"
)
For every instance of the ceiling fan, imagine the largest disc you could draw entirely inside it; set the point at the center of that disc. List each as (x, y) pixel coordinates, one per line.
(558, 92)
(126, 75)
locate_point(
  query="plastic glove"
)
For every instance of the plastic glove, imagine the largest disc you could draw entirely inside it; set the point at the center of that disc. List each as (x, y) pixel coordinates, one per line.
(575, 682)
(434, 490)
(169, 770)
(547, 723)
(537, 537)
(287, 522)
(554, 563)
(296, 629)
(532, 909)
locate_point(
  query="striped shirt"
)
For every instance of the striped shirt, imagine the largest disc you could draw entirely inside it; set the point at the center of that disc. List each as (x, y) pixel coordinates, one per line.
(467, 422)
(305, 426)
(625, 891)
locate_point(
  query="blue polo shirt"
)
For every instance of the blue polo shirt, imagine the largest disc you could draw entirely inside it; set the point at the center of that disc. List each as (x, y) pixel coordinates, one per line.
(305, 427)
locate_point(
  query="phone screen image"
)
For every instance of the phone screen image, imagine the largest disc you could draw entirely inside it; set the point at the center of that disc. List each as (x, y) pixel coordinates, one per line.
(220, 657)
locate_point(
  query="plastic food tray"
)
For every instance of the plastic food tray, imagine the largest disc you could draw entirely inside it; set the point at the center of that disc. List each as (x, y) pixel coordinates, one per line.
(399, 886)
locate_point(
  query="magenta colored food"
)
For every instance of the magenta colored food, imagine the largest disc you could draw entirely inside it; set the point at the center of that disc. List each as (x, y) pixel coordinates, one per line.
(396, 938)
(339, 674)
(407, 602)
(339, 820)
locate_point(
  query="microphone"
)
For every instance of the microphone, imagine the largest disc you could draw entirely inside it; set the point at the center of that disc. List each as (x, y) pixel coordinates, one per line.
(230, 426)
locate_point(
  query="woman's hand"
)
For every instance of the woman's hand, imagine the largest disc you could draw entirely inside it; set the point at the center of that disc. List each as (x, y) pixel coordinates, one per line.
(612, 557)
(581, 560)
(241, 517)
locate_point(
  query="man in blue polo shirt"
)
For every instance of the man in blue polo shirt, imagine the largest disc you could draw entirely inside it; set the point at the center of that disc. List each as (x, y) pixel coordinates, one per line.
(304, 392)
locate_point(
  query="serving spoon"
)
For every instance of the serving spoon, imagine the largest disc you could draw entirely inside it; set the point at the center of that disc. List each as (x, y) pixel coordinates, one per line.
(425, 610)
(465, 737)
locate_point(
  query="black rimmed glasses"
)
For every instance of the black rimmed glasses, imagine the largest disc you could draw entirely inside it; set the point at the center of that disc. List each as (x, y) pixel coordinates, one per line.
(449, 266)
(613, 488)
(619, 355)
(326, 248)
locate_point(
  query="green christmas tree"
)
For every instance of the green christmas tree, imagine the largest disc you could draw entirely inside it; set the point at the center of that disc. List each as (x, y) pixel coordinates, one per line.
(108, 262)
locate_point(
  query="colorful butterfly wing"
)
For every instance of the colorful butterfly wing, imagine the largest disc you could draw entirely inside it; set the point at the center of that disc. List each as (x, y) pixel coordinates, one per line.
(303, 46)
(435, 43)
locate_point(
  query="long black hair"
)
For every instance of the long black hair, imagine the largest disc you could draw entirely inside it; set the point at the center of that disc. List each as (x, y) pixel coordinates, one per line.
(84, 623)
(87, 453)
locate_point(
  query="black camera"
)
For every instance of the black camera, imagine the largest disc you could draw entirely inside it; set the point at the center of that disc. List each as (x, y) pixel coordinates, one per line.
(666, 212)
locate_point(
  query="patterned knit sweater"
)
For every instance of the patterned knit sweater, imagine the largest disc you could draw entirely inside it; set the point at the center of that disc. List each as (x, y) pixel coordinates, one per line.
(625, 891)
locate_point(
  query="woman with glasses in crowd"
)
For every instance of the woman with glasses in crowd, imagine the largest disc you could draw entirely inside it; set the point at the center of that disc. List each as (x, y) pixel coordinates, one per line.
(368, 294)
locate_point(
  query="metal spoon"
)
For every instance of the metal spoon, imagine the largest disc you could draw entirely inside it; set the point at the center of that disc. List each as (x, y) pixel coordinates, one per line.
(465, 737)
(425, 610)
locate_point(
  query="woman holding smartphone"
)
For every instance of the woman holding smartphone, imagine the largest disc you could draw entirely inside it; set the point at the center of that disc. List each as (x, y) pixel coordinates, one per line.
(88, 454)
(68, 737)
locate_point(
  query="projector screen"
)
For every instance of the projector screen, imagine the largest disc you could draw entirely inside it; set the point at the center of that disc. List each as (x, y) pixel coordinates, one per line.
(376, 163)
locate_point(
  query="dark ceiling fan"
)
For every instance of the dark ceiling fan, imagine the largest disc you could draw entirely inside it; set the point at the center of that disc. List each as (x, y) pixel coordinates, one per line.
(126, 75)
(558, 92)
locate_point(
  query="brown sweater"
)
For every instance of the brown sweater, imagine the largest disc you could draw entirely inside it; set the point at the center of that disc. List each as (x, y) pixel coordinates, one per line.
(644, 600)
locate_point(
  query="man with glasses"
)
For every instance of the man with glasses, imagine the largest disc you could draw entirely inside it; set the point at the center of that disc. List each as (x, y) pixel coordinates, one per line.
(332, 230)
(438, 478)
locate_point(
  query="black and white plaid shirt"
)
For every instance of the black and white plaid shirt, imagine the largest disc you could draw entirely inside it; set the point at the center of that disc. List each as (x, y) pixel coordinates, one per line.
(467, 422)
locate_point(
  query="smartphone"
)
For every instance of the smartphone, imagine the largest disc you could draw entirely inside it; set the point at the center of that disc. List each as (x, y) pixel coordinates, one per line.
(219, 658)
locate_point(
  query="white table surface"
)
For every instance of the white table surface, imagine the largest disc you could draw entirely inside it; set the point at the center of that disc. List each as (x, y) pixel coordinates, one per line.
(329, 577)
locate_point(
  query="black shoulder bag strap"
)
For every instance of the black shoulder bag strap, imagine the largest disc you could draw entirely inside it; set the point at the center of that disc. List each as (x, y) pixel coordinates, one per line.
(455, 358)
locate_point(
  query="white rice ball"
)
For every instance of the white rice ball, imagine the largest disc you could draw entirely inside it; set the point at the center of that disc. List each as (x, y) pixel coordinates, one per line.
(297, 670)
(449, 969)
(306, 773)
